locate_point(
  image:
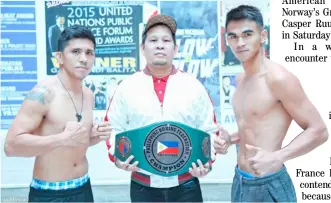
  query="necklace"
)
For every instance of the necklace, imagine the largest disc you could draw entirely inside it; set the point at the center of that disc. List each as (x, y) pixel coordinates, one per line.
(78, 115)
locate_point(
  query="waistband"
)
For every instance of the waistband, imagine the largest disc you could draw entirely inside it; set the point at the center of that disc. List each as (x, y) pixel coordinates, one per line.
(145, 179)
(245, 174)
(61, 185)
(259, 180)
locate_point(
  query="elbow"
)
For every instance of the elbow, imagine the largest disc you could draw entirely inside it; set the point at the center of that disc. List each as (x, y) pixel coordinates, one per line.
(322, 134)
(9, 149)
(10, 146)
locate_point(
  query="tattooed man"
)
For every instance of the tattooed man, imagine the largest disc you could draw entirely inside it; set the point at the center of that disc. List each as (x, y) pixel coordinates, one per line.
(54, 124)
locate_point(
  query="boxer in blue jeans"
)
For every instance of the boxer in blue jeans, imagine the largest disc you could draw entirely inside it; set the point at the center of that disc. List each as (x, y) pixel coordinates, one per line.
(267, 99)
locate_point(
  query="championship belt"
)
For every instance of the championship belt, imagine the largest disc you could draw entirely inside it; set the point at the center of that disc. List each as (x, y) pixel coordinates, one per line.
(164, 148)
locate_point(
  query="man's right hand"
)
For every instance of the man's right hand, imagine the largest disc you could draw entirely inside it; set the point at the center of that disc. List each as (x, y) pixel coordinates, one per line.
(126, 164)
(75, 134)
(222, 142)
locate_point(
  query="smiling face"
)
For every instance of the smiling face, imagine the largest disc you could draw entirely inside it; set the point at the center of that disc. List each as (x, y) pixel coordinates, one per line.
(159, 48)
(77, 58)
(245, 39)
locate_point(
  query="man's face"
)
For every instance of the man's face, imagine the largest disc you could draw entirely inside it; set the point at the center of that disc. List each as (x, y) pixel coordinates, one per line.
(103, 86)
(78, 57)
(159, 48)
(112, 82)
(245, 38)
(60, 20)
(209, 27)
(226, 82)
(88, 81)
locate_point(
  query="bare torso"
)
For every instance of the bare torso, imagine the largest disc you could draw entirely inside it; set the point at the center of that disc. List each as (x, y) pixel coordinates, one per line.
(63, 163)
(261, 118)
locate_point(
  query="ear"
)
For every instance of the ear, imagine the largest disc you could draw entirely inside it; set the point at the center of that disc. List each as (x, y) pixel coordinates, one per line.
(59, 57)
(142, 48)
(226, 41)
(264, 36)
(176, 50)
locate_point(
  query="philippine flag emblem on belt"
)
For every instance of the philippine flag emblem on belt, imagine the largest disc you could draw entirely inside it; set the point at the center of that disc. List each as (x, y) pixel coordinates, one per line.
(167, 147)
(123, 147)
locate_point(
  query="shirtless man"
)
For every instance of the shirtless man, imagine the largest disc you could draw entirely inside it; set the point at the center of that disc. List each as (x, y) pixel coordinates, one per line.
(267, 99)
(54, 124)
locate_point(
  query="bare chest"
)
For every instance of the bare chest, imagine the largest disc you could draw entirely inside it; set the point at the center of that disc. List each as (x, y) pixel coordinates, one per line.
(253, 101)
(62, 110)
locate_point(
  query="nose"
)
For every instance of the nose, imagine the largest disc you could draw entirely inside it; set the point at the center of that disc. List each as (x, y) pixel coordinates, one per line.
(160, 45)
(241, 42)
(83, 58)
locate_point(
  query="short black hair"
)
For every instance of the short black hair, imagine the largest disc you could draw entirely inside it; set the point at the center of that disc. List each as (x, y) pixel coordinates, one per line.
(144, 36)
(58, 16)
(74, 32)
(244, 12)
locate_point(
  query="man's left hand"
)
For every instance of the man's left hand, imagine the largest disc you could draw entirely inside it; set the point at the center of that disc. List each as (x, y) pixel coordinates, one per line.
(263, 162)
(200, 170)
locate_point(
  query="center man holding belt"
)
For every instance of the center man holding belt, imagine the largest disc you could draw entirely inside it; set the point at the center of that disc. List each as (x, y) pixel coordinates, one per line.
(163, 123)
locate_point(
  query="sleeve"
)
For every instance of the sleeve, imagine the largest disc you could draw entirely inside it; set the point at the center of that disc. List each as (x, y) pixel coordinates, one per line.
(50, 39)
(205, 117)
(116, 114)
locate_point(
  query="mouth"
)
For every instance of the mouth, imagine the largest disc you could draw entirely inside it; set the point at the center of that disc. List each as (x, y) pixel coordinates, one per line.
(159, 54)
(81, 68)
(241, 51)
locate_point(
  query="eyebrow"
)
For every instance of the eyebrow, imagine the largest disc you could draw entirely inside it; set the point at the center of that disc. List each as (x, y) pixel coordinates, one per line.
(248, 31)
(243, 32)
(80, 49)
(230, 34)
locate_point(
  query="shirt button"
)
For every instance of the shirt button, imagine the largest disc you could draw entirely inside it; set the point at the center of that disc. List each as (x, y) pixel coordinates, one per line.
(161, 103)
(160, 92)
(158, 81)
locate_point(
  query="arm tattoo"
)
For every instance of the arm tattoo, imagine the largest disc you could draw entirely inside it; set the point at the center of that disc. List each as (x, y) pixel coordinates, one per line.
(38, 94)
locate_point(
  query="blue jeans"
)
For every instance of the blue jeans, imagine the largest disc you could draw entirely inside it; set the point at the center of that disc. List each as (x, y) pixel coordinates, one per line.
(276, 187)
(186, 192)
